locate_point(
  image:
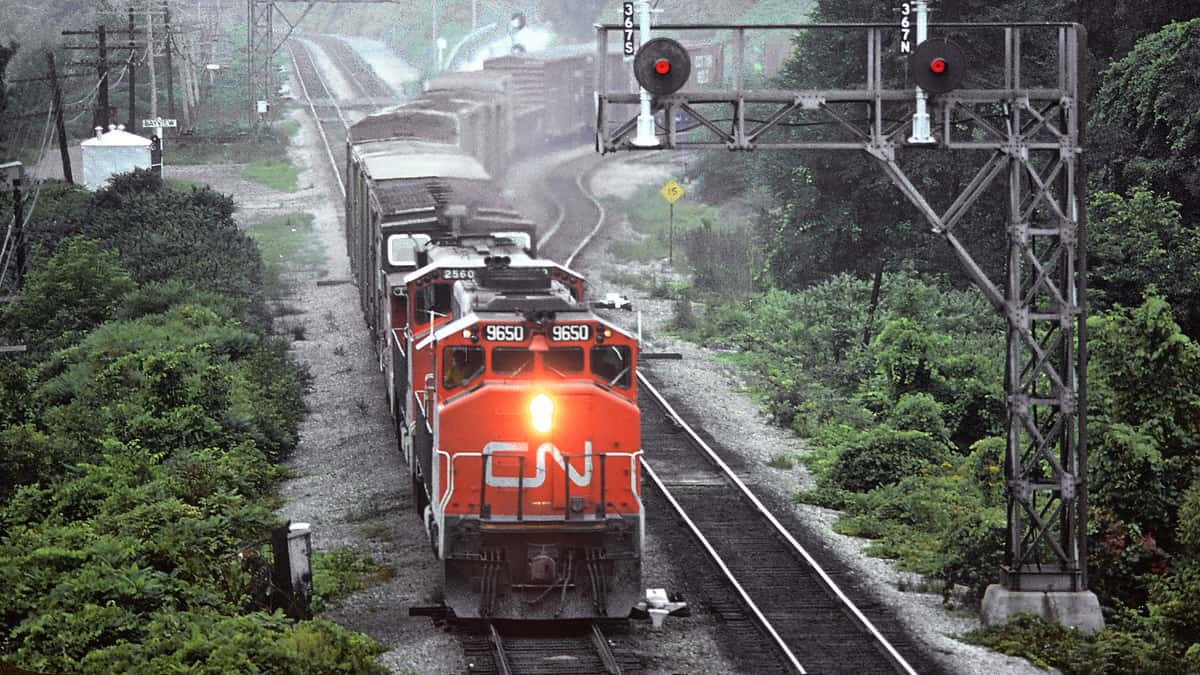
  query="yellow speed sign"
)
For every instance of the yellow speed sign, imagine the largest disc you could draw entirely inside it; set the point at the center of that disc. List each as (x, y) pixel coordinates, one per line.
(671, 192)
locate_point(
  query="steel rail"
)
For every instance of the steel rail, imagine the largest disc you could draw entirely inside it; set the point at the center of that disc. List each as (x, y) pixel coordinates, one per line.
(317, 118)
(599, 221)
(558, 221)
(340, 64)
(892, 654)
(332, 99)
(729, 576)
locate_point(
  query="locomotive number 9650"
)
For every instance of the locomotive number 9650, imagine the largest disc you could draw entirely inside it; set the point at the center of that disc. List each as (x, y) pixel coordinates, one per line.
(503, 333)
(570, 332)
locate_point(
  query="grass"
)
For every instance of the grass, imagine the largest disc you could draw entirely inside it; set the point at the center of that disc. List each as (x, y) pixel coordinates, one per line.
(183, 185)
(782, 462)
(651, 218)
(342, 571)
(232, 143)
(278, 175)
(289, 244)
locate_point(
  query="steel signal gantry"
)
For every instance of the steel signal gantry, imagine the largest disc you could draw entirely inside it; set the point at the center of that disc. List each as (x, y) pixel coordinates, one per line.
(1029, 130)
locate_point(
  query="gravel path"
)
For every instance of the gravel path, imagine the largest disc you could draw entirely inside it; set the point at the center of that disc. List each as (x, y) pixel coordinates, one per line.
(716, 392)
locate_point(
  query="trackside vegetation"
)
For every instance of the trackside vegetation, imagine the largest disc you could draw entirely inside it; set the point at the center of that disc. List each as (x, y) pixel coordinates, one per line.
(864, 337)
(139, 445)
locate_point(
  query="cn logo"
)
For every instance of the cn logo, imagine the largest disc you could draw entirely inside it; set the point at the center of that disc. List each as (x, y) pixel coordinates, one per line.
(545, 449)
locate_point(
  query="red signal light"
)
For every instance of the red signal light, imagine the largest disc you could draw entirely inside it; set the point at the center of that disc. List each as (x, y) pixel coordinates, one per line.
(662, 66)
(938, 66)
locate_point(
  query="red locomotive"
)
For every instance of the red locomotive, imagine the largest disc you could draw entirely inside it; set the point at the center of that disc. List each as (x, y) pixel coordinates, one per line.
(525, 441)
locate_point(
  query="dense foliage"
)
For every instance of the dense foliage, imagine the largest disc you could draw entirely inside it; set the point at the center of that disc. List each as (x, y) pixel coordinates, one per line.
(139, 443)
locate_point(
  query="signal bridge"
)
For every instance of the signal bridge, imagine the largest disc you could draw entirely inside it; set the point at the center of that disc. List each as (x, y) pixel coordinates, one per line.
(1024, 134)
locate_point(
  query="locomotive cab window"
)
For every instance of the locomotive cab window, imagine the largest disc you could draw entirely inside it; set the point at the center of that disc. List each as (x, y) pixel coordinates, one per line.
(613, 364)
(564, 361)
(461, 365)
(512, 362)
(433, 298)
(402, 249)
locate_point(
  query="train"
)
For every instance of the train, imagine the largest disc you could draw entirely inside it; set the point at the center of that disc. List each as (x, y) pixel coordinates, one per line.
(514, 402)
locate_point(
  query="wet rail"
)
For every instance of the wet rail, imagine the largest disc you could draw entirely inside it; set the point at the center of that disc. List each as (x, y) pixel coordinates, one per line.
(357, 71)
(507, 648)
(331, 121)
(771, 581)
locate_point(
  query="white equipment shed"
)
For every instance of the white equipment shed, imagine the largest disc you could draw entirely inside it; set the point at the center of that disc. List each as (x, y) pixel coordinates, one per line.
(112, 152)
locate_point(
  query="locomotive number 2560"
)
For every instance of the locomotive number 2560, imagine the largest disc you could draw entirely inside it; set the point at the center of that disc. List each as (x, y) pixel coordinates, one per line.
(503, 333)
(569, 332)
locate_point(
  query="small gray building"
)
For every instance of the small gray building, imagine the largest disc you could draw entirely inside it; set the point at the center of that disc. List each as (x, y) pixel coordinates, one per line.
(111, 152)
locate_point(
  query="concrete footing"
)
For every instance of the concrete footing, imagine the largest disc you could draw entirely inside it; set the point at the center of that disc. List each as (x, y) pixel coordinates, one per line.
(1079, 610)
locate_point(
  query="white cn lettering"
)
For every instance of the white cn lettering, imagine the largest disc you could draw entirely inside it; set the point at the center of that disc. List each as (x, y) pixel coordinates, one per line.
(493, 448)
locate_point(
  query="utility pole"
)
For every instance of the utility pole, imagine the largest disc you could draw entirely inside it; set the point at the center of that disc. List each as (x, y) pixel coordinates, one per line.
(60, 127)
(18, 230)
(150, 61)
(132, 74)
(170, 67)
(102, 71)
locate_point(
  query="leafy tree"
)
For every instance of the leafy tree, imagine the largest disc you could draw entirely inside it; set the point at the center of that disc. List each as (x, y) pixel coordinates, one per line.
(1139, 241)
(187, 236)
(72, 292)
(1146, 128)
(883, 456)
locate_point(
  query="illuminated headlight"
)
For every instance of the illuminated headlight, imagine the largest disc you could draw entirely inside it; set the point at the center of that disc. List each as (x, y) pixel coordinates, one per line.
(541, 412)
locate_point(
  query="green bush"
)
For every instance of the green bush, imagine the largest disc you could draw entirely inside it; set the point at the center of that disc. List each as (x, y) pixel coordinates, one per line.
(883, 456)
(920, 412)
(342, 571)
(204, 642)
(137, 449)
(1052, 645)
(971, 550)
(63, 297)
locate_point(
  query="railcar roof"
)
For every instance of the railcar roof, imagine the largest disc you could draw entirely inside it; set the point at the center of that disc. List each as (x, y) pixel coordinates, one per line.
(399, 194)
(381, 167)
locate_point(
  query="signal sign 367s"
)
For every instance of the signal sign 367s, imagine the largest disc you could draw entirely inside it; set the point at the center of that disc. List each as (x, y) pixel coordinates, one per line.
(627, 28)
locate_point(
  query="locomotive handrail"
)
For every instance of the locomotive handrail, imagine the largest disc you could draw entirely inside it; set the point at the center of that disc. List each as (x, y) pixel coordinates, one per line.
(634, 462)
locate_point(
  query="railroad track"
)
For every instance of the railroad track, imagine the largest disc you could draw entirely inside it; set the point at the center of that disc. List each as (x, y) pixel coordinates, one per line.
(768, 582)
(507, 648)
(332, 124)
(579, 216)
(360, 74)
(780, 610)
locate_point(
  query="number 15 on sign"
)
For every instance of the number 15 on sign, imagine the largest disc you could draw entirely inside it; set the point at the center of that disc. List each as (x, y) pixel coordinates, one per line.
(671, 192)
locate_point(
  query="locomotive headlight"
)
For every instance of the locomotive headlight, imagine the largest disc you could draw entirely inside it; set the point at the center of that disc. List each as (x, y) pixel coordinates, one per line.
(541, 411)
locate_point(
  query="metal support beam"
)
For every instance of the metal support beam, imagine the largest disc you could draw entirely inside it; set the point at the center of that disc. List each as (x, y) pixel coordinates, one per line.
(1035, 144)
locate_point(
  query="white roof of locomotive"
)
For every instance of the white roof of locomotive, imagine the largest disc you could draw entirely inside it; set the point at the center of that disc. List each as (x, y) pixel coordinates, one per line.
(473, 260)
(446, 330)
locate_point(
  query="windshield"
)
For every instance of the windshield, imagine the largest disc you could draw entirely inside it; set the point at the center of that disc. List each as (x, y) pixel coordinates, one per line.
(612, 364)
(509, 361)
(402, 249)
(461, 365)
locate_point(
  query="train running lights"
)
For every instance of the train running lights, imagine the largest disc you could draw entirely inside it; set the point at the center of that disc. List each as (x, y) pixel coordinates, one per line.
(662, 66)
(938, 65)
(541, 413)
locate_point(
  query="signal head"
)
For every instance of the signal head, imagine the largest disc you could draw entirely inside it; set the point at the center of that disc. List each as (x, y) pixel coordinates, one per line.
(938, 65)
(662, 66)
